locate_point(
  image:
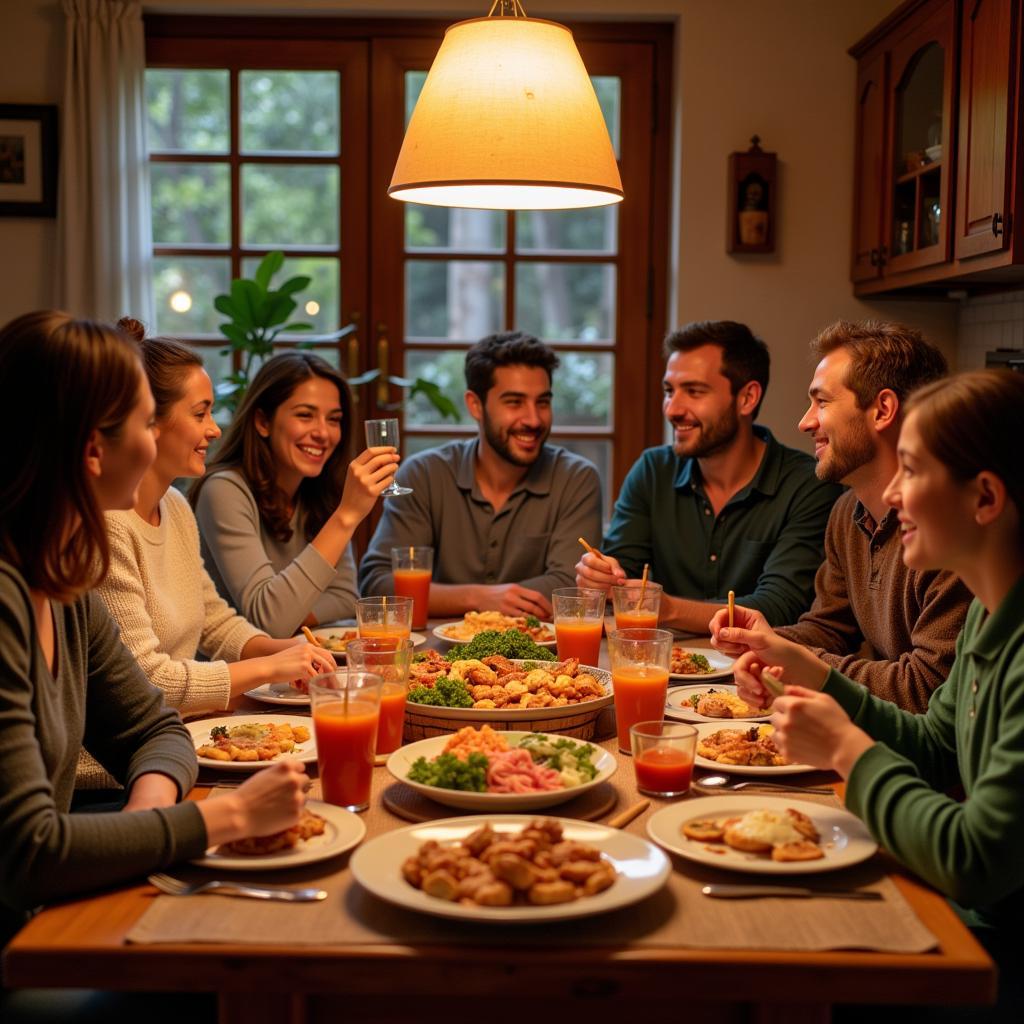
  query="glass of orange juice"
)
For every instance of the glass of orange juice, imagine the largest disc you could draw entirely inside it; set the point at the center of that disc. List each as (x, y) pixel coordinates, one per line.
(640, 660)
(346, 714)
(412, 568)
(579, 623)
(389, 659)
(636, 604)
(663, 757)
(386, 617)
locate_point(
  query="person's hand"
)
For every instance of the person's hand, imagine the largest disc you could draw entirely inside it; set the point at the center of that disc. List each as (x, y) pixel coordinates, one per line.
(786, 662)
(599, 572)
(271, 800)
(514, 599)
(297, 664)
(811, 728)
(744, 618)
(368, 474)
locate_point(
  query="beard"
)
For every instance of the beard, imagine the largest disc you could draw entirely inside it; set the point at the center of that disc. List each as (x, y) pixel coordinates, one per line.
(499, 442)
(711, 438)
(845, 455)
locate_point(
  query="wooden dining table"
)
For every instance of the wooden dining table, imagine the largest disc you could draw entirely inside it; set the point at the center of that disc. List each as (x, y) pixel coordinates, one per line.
(82, 943)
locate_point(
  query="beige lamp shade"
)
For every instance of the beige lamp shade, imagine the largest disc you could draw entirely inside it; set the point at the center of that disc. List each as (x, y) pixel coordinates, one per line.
(507, 120)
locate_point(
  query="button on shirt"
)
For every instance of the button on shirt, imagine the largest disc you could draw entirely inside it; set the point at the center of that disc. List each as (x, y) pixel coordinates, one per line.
(765, 544)
(531, 540)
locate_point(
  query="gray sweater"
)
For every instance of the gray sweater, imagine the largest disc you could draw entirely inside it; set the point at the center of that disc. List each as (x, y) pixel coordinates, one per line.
(274, 584)
(99, 700)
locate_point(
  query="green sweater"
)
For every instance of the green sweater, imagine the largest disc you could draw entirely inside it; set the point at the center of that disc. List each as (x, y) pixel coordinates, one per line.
(973, 730)
(99, 700)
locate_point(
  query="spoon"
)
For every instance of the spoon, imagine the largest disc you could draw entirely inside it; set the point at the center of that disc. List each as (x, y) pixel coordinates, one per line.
(724, 783)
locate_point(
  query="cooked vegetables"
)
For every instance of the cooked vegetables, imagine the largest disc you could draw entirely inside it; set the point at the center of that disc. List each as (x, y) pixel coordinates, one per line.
(571, 760)
(511, 644)
(450, 772)
(445, 693)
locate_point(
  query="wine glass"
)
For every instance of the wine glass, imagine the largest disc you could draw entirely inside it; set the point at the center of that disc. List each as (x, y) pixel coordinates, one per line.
(384, 434)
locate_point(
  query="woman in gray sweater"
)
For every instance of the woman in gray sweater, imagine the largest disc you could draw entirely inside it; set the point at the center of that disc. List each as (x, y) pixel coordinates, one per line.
(66, 681)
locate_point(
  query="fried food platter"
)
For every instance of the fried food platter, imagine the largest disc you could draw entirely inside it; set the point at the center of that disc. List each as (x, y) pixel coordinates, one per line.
(707, 729)
(678, 704)
(200, 729)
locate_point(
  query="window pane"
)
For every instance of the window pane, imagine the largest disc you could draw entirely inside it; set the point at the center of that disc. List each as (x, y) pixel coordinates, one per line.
(413, 87)
(599, 453)
(411, 444)
(592, 231)
(433, 228)
(566, 301)
(184, 288)
(191, 204)
(458, 299)
(187, 111)
(319, 303)
(609, 96)
(583, 389)
(289, 204)
(444, 368)
(289, 111)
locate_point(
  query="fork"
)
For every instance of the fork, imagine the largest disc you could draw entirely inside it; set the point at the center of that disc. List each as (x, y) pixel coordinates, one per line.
(176, 887)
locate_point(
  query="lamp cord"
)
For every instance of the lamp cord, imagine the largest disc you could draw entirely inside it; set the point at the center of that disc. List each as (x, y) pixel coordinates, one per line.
(506, 9)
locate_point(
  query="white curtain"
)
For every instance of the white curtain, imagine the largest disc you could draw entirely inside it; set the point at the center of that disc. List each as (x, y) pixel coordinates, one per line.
(104, 254)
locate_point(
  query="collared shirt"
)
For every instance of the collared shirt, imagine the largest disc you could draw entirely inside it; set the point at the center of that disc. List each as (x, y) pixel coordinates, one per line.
(973, 731)
(765, 544)
(531, 539)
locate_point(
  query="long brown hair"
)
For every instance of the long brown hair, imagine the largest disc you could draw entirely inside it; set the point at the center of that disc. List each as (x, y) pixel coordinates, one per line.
(167, 363)
(244, 450)
(51, 526)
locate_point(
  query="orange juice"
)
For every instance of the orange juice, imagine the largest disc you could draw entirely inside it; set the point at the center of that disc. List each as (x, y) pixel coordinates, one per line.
(345, 739)
(636, 620)
(579, 638)
(415, 583)
(640, 693)
(392, 717)
(378, 631)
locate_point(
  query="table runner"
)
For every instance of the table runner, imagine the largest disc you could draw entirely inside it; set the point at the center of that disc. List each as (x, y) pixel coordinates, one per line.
(677, 916)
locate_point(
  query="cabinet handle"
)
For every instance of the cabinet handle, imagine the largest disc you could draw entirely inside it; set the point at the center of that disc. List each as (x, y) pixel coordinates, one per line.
(383, 392)
(997, 224)
(874, 257)
(352, 358)
(882, 256)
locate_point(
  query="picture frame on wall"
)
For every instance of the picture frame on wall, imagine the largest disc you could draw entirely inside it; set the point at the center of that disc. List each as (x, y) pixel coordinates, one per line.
(28, 160)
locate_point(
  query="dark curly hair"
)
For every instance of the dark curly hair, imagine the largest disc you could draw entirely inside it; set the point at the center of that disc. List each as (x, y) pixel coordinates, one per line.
(511, 348)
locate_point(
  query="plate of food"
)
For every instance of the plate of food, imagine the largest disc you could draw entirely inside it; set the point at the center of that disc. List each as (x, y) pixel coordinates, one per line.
(764, 835)
(690, 663)
(246, 744)
(474, 623)
(711, 704)
(747, 749)
(323, 831)
(510, 868)
(484, 770)
(500, 688)
(336, 638)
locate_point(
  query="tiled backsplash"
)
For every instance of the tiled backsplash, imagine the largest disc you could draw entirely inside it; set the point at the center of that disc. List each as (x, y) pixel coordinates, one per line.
(989, 322)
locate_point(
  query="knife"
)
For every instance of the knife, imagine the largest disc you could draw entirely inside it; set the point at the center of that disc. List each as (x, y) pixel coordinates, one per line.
(728, 891)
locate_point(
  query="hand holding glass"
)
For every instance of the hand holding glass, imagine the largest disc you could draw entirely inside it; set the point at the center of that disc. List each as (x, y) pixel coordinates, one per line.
(384, 434)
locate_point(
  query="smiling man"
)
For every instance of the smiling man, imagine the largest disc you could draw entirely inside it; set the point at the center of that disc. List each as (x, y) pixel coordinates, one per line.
(503, 510)
(891, 628)
(725, 506)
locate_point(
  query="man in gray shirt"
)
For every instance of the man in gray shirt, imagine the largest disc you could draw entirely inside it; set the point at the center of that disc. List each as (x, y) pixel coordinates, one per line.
(502, 511)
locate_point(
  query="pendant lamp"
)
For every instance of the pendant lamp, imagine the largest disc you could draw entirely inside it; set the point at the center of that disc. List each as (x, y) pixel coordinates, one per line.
(507, 120)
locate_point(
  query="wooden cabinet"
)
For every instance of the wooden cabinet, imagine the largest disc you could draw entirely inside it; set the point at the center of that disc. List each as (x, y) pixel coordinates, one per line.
(938, 165)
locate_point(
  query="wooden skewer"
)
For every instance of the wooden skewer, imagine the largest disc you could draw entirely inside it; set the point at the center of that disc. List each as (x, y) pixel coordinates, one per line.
(412, 557)
(643, 588)
(591, 549)
(623, 819)
(732, 608)
(384, 606)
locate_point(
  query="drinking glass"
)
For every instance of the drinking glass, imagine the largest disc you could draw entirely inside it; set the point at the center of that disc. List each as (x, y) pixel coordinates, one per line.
(579, 622)
(640, 660)
(663, 757)
(412, 569)
(389, 659)
(636, 604)
(346, 715)
(384, 434)
(386, 617)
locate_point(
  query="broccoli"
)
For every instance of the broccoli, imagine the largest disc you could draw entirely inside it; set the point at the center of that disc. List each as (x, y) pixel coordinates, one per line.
(445, 693)
(447, 771)
(219, 730)
(511, 644)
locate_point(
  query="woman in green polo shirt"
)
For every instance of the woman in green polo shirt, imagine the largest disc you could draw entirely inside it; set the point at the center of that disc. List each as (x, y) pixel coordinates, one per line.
(960, 496)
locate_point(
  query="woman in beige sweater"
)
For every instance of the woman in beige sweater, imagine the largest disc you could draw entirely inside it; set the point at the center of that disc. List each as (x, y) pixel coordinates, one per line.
(158, 589)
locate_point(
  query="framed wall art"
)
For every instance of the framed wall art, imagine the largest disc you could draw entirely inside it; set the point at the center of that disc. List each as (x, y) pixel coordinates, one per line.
(28, 160)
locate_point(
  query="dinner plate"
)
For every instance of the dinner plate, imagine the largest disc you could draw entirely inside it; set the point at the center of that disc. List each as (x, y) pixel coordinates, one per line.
(200, 733)
(844, 837)
(721, 665)
(706, 728)
(641, 867)
(344, 830)
(402, 760)
(439, 632)
(677, 705)
(337, 632)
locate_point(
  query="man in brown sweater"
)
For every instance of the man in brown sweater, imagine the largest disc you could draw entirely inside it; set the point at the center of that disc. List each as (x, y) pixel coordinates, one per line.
(891, 628)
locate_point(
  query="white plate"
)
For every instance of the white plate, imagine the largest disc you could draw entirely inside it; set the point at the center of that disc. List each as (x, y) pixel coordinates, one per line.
(706, 728)
(721, 665)
(480, 715)
(336, 632)
(279, 693)
(200, 732)
(844, 837)
(439, 632)
(402, 760)
(344, 830)
(677, 705)
(642, 869)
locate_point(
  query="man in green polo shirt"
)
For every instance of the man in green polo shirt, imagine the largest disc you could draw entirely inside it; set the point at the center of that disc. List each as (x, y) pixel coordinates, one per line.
(725, 506)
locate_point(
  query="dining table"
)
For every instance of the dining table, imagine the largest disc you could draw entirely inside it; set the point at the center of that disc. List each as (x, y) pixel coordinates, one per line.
(355, 957)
